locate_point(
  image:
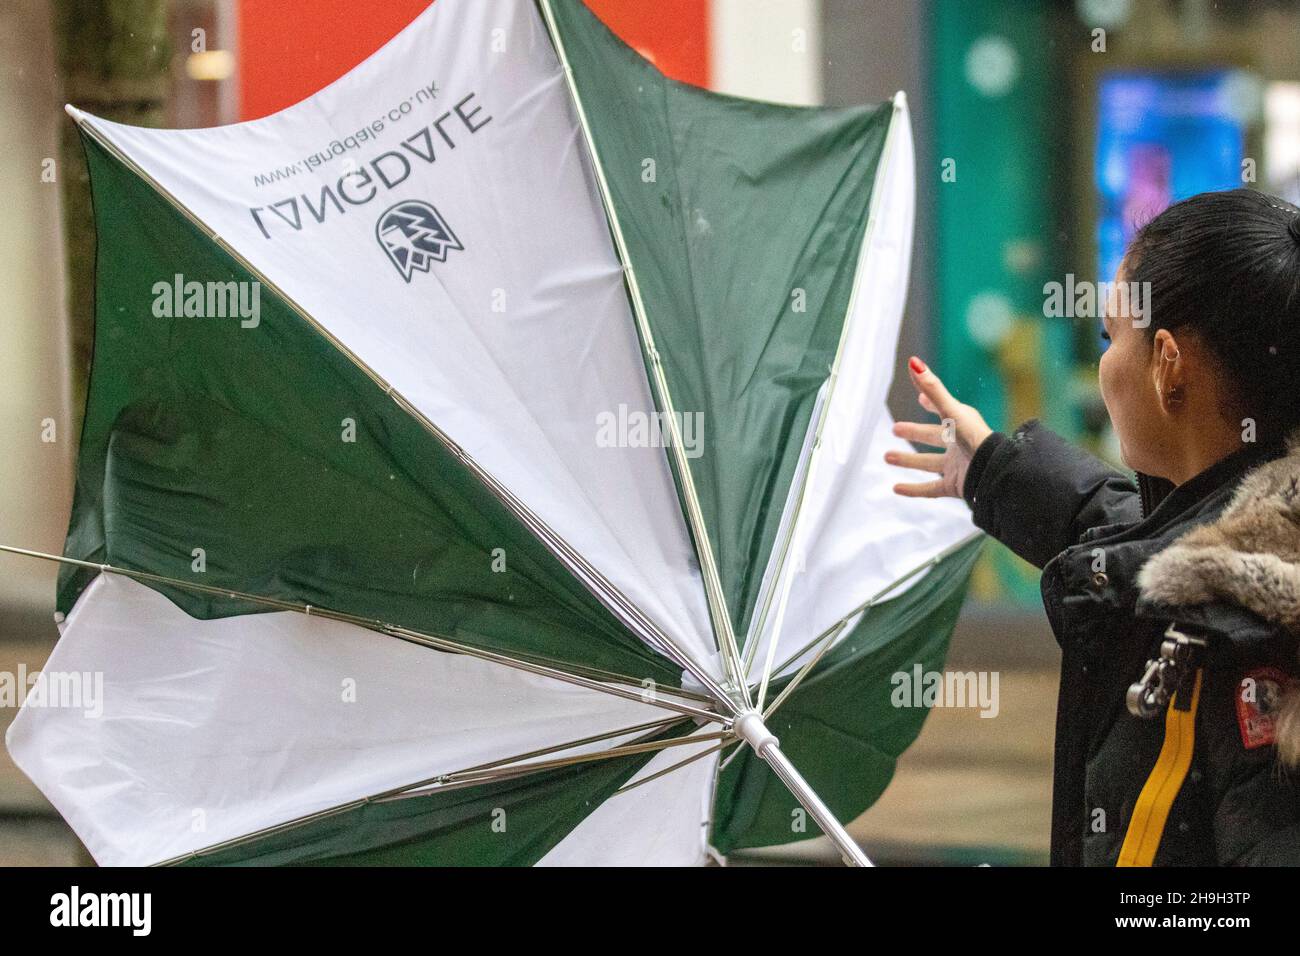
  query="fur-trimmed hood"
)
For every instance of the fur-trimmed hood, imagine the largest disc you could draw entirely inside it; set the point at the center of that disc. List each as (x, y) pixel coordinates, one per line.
(1249, 556)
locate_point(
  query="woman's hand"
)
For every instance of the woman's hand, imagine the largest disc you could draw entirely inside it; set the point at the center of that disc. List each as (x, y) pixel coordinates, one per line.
(960, 432)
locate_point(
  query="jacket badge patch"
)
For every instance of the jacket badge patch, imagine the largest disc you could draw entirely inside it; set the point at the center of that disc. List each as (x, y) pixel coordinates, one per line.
(1258, 696)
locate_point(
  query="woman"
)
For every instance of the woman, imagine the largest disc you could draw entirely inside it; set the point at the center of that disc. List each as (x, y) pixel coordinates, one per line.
(1175, 598)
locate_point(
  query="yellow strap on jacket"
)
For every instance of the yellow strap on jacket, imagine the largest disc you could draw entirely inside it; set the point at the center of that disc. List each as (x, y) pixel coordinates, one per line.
(1159, 792)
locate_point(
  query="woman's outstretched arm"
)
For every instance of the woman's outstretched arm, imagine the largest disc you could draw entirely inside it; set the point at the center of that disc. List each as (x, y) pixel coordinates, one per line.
(1033, 491)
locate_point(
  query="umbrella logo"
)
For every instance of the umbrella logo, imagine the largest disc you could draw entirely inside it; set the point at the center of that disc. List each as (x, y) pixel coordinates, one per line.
(414, 235)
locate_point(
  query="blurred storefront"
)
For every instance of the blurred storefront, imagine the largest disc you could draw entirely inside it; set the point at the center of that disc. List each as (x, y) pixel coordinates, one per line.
(1062, 127)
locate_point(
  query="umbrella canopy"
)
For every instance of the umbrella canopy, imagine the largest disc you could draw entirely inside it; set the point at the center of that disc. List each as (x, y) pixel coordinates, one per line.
(482, 464)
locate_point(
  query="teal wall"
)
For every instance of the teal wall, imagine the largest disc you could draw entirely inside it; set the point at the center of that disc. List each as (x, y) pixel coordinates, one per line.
(995, 234)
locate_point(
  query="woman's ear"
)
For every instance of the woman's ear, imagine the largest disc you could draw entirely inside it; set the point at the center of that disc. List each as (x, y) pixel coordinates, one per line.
(1169, 372)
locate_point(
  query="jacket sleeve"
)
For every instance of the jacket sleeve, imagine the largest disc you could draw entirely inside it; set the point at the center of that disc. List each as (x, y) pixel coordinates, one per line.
(1037, 493)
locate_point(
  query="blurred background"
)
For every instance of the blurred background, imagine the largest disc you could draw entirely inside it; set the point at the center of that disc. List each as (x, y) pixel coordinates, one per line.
(1047, 130)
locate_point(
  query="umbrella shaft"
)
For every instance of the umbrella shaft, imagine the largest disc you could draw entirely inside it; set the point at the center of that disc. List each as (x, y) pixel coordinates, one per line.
(750, 728)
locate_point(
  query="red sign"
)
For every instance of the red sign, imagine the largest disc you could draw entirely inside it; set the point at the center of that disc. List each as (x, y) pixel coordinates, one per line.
(288, 51)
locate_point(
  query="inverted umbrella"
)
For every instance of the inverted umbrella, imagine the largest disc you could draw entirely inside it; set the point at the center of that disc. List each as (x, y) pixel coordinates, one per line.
(482, 464)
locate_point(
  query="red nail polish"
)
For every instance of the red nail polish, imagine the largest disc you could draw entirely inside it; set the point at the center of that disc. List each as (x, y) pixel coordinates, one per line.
(916, 364)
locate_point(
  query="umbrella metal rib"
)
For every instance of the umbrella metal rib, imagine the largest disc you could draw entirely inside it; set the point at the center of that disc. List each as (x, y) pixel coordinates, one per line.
(724, 633)
(466, 777)
(772, 577)
(652, 726)
(402, 792)
(833, 630)
(786, 691)
(826, 639)
(403, 633)
(819, 425)
(632, 785)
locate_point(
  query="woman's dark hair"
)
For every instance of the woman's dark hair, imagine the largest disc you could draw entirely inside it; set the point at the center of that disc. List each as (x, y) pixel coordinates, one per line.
(1226, 266)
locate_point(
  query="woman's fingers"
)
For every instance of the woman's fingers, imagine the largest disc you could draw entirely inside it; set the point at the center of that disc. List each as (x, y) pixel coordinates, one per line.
(924, 489)
(924, 433)
(927, 383)
(921, 461)
(957, 442)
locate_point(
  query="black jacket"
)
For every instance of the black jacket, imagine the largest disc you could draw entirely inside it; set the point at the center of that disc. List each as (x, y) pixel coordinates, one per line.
(1092, 530)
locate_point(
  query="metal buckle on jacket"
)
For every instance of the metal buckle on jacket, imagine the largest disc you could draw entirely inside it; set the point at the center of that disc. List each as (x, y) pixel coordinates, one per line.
(1173, 670)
